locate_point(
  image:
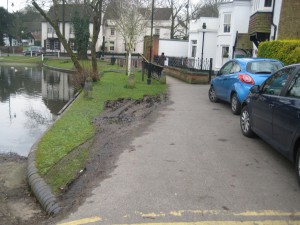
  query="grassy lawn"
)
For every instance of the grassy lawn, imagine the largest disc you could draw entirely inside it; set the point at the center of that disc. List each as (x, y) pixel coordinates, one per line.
(75, 126)
(21, 59)
(68, 64)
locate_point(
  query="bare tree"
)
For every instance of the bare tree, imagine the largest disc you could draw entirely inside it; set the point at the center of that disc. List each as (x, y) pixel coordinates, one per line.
(207, 8)
(53, 20)
(132, 21)
(179, 16)
(97, 7)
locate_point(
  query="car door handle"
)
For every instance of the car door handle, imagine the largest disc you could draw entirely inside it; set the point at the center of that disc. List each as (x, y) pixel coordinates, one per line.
(271, 106)
(298, 114)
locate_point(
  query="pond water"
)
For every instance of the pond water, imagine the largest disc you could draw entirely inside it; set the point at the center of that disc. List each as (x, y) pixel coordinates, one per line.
(30, 100)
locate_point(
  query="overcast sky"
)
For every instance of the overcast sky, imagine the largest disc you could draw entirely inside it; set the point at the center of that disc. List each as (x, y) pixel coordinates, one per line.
(20, 4)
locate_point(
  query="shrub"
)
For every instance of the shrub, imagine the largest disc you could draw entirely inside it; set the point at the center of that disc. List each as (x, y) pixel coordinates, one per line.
(78, 79)
(285, 50)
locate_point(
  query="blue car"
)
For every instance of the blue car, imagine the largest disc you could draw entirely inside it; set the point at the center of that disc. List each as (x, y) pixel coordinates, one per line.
(234, 80)
(272, 111)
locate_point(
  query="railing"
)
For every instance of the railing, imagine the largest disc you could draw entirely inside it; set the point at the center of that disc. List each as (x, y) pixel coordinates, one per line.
(189, 63)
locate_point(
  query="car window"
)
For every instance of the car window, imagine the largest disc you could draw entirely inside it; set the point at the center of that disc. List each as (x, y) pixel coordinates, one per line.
(235, 68)
(294, 88)
(261, 67)
(276, 82)
(226, 69)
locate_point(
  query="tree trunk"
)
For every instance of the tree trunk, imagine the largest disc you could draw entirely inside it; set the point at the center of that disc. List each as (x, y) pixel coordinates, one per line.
(96, 29)
(54, 24)
(129, 64)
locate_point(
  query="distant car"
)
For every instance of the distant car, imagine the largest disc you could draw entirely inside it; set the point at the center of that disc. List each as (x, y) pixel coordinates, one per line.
(237, 76)
(33, 50)
(272, 111)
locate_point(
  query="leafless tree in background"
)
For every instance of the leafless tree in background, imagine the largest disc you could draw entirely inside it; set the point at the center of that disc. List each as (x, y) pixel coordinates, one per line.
(132, 17)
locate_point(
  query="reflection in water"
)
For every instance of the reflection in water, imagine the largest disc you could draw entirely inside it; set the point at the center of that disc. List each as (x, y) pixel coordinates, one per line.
(30, 99)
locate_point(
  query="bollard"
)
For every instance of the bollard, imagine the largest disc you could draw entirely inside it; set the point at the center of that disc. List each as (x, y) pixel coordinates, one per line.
(88, 87)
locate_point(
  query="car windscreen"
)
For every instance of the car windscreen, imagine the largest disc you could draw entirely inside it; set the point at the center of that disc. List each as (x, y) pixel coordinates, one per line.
(263, 67)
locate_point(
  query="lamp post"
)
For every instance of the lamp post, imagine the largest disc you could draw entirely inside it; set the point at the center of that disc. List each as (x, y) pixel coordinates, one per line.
(203, 31)
(150, 50)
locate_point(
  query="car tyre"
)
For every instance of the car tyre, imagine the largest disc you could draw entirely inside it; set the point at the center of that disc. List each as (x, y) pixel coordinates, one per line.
(245, 122)
(235, 105)
(212, 94)
(297, 167)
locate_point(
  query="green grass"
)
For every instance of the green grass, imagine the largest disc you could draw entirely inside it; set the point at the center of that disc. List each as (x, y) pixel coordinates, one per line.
(68, 64)
(75, 126)
(21, 59)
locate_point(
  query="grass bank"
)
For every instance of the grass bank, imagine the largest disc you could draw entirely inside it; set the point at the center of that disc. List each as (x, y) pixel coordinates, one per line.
(75, 126)
(21, 59)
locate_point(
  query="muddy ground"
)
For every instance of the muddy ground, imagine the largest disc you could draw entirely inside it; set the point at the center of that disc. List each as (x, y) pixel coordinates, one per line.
(121, 121)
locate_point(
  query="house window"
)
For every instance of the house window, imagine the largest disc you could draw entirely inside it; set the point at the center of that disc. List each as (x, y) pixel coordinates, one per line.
(157, 31)
(72, 44)
(194, 48)
(50, 29)
(268, 3)
(227, 21)
(112, 46)
(225, 52)
(72, 29)
(112, 31)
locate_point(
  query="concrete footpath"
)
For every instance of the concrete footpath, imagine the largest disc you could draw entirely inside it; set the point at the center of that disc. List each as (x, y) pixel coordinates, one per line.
(192, 165)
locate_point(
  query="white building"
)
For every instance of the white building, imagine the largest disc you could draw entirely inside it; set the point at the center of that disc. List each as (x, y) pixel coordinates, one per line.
(233, 27)
(114, 42)
(49, 38)
(241, 26)
(203, 38)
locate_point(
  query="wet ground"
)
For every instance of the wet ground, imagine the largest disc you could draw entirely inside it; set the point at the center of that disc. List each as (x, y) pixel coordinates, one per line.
(115, 129)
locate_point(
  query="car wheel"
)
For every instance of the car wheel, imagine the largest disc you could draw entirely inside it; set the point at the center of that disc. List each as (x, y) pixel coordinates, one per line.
(235, 105)
(212, 94)
(298, 165)
(245, 122)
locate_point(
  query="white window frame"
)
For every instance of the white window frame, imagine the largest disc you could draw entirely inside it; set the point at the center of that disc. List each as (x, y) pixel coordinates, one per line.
(111, 46)
(50, 29)
(157, 31)
(112, 31)
(193, 48)
(227, 23)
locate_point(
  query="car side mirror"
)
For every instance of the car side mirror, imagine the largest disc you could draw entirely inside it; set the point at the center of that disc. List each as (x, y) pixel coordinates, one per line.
(255, 89)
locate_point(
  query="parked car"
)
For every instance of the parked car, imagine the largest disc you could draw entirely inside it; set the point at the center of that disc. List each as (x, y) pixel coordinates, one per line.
(272, 111)
(234, 80)
(33, 50)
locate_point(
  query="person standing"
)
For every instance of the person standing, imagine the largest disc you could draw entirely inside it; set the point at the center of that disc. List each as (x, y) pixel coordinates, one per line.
(161, 62)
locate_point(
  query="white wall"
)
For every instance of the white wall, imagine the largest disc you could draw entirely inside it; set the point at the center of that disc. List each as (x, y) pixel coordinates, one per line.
(175, 48)
(68, 35)
(210, 37)
(163, 25)
(240, 11)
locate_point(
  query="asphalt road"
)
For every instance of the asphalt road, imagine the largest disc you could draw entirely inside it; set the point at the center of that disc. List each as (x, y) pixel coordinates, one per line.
(193, 166)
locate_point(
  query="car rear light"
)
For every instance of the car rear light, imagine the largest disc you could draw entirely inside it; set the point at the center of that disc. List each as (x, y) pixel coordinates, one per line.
(245, 78)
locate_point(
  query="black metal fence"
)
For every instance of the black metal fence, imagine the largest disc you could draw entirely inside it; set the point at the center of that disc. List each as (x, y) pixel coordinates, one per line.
(194, 64)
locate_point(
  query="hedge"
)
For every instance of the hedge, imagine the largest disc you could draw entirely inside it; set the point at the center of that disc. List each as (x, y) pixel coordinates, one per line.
(288, 51)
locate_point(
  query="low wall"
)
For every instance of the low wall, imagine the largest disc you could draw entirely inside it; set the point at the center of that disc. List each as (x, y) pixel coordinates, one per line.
(187, 76)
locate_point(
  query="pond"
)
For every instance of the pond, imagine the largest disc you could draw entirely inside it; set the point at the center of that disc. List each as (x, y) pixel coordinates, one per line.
(31, 98)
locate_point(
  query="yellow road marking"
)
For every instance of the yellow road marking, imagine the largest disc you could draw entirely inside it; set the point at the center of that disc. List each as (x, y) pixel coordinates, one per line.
(180, 213)
(267, 213)
(263, 222)
(83, 221)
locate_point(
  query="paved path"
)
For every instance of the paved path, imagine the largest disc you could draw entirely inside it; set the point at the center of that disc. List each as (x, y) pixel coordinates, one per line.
(193, 166)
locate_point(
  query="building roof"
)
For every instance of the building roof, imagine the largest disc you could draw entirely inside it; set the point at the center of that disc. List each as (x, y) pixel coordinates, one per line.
(158, 14)
(70, 10)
